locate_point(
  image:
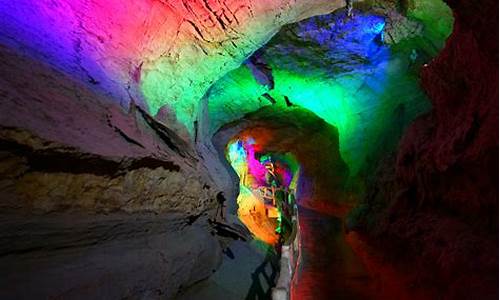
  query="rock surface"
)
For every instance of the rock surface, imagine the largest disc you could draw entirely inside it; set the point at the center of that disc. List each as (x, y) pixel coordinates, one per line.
(436, 202)
(156, 52)
(70, 152)
(359, 75)
(111, 256)
(323, 173)
(96, 202)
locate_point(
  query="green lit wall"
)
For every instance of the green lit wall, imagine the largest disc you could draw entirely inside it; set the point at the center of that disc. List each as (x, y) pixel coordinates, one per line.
(347, 73)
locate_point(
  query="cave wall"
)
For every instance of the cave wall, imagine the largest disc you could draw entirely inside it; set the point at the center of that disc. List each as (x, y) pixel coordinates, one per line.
(91, 182)
(113, 256)
(64, 140)
(436, 201)
(96, 202)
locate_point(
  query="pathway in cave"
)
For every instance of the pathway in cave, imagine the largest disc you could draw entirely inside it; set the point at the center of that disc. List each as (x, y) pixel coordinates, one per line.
(248, 271)
(329, 268)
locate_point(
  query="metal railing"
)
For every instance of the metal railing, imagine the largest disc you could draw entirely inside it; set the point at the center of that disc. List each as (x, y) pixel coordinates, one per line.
(289, 261)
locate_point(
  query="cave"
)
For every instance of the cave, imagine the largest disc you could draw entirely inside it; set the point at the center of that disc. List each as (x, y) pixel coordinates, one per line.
(216, 149)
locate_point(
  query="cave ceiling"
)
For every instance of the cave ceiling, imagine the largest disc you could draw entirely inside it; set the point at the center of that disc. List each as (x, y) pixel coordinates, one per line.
(359, 74)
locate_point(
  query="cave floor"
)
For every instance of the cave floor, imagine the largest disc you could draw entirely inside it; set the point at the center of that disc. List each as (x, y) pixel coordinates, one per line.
(336, 265)
(329, 268)
(248, 271)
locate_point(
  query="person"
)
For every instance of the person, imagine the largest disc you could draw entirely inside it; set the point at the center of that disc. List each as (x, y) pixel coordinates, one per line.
(220, 205)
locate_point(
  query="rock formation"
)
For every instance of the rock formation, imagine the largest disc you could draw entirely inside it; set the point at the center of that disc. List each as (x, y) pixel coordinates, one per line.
(157, 52)
(436, 201)
(323, 173)
(113, 196)
(114, 117)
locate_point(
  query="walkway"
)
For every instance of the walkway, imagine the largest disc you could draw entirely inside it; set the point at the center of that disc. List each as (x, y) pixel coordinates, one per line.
(329, 268)
(248, 272)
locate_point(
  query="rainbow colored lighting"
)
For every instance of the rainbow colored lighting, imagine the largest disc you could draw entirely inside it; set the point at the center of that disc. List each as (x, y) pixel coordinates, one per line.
(156, 53)
(248, 159)
(250, 166)
(346, 75)
(145, 51)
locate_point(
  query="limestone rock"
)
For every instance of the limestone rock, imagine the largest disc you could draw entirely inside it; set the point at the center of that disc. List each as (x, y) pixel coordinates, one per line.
(323, 173)
(96, 202)
(436, 201)
(157, 52)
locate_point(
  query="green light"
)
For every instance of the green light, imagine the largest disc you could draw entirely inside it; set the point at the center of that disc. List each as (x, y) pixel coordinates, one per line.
(370, 98)
(436, 17)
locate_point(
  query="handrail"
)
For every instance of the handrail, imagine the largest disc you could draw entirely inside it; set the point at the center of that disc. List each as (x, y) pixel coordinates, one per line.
(290, 259)
(290, 250)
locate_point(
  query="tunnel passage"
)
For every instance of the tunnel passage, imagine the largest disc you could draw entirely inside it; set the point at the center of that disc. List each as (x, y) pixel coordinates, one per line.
(367, 88)
(268, 182)
(312, 142)
(320, 190)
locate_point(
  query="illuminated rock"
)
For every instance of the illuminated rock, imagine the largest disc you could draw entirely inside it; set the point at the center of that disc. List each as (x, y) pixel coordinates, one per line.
(346, 71)
(323, 173)
(90, 178)
(155, 52)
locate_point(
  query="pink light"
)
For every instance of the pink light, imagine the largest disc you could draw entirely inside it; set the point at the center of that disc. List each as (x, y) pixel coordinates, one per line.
(256, 169)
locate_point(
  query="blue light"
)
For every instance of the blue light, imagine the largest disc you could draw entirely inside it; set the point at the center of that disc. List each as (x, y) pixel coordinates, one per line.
(348, 45)
(379, 27)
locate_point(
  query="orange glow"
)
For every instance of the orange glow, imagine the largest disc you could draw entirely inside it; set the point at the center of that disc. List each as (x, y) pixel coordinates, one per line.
(252, 212)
